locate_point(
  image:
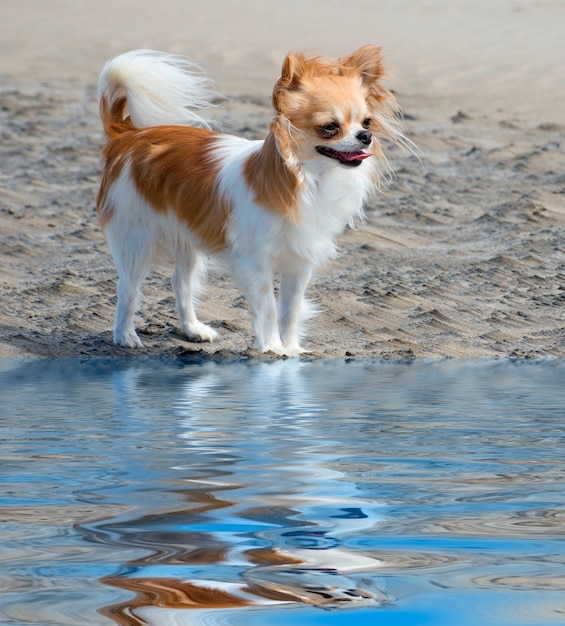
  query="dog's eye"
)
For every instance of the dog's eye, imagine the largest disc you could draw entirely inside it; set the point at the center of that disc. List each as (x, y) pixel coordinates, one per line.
(367, 122)
(330, 130)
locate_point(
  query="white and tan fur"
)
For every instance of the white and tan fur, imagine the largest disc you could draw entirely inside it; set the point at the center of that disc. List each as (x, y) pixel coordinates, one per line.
(173, 187)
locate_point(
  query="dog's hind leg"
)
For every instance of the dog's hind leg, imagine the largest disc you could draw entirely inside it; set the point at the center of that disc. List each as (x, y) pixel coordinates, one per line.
(133, 260)
(187, 284)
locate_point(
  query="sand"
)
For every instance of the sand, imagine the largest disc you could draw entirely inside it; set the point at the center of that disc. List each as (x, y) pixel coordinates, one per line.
(462, 254)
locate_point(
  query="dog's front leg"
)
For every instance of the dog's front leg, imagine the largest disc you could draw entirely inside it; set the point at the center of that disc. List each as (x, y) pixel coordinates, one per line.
(291, 309)
(256, 282)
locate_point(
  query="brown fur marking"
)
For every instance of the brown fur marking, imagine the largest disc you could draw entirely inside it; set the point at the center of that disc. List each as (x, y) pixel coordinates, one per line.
(276, 186)
(173, 168)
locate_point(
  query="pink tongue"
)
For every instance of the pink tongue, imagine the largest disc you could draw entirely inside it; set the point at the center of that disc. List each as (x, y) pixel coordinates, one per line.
(354, 156)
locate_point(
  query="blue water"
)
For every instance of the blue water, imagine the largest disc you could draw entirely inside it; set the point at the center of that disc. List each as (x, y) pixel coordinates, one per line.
(268, 493)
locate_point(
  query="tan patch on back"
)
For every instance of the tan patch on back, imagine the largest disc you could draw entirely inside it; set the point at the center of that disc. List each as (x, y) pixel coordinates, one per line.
(173, 168)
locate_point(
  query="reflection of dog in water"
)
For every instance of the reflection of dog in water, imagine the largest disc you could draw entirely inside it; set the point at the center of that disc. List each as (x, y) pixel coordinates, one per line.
(324, 572)
(309, 564)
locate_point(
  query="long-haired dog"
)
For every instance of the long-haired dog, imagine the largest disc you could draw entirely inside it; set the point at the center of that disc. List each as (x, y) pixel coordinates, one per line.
(172, 187)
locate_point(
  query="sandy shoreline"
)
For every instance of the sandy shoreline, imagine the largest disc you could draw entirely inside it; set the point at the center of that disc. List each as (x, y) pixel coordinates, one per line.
(462, 256)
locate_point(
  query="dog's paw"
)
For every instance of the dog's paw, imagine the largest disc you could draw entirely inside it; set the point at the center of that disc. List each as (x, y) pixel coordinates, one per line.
(293, 350)
(200, 332)
(280, 349)
(128, 340)
(274, 346)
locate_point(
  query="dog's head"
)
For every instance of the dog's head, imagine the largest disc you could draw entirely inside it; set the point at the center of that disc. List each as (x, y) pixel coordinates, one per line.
(330, 112)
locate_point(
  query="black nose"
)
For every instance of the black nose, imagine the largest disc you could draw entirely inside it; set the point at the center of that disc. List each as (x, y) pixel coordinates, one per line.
(365, 137)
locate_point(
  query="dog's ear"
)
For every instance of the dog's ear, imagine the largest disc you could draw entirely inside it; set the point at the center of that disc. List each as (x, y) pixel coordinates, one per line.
(292, 73)
(367, 62)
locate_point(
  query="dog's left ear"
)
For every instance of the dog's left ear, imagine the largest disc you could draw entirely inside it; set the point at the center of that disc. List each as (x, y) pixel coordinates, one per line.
(368, 62)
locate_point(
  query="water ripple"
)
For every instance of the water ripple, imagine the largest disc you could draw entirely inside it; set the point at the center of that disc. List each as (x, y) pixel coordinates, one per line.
(249, 493)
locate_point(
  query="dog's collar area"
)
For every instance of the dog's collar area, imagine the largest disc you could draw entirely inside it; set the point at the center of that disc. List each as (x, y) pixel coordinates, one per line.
(352, 159)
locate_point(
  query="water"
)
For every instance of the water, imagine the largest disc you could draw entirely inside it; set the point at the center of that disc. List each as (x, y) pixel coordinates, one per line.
(261, 493)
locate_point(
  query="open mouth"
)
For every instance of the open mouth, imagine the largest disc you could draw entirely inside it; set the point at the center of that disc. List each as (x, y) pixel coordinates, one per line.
(352, 159)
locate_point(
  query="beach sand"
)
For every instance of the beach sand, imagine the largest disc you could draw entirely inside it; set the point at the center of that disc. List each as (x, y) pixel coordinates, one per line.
(462, 255)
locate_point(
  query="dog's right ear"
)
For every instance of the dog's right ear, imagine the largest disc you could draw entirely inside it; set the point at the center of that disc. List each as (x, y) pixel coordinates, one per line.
(292, 70)
(292, 73)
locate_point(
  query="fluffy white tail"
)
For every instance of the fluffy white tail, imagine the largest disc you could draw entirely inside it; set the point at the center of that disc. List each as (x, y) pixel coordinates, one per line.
(159, 88)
